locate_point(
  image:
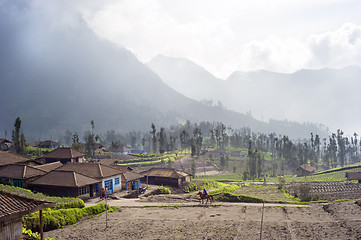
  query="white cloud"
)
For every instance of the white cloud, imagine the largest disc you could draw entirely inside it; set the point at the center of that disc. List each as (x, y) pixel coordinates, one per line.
(235, 35)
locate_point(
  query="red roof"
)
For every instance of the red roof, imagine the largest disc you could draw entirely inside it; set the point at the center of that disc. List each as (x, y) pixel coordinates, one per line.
(7, 158)
(64, 153)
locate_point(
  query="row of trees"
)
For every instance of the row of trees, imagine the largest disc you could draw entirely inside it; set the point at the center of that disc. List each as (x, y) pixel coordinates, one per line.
(334, 150)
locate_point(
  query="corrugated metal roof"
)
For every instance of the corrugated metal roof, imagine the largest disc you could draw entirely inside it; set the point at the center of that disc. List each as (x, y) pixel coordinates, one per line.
(11, 204)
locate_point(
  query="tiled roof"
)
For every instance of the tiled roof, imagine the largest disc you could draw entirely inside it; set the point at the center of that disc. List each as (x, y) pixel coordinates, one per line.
(11, 204)
(63, 178)
(120, 149)
(165, 172)
(20, 172)
(307, 167)
(130, 175)
(94, 170)
(64, 153)
(4, 140)
(49, 166)
(11, 158)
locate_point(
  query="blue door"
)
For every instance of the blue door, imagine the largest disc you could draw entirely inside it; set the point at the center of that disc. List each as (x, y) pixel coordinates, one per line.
(109, 185)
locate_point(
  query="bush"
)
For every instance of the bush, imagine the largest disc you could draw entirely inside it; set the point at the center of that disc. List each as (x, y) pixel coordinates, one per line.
(229, 197)
(191, 187)
(76, 203)
(163, 190)
(58, 218)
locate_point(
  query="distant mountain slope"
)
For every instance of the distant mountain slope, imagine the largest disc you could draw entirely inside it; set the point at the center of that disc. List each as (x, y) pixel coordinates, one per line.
(323, 96)
(58, 77)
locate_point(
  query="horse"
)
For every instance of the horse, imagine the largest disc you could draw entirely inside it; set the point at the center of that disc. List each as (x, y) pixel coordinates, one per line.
(208, 197)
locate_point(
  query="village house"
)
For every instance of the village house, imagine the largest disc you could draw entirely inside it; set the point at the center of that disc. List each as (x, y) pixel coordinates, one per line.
(64, 155)
(305, 170)
(13, 207)
(120, 149)
(64, 183)
(49, 166)
(5, 144)
(109, 177)
(19, 175)
(7, 158)
(166, 176)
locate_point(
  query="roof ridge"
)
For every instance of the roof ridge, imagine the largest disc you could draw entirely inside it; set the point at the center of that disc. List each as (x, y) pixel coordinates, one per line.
(100, 170)
(75, 180)
(24, 172)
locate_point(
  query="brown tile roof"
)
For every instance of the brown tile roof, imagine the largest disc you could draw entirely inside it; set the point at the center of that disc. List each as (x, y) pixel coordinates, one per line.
(7, 158)
(4, 140)
(64, 153)
(121, 168)
(165, 172)
(308, 167)
(130, 175)
(11, 204)
(49, 166)
(63, 178)
(20, 172)
(94, 170)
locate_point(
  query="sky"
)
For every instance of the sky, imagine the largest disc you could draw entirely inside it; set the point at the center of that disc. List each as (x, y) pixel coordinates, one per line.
(227, 36)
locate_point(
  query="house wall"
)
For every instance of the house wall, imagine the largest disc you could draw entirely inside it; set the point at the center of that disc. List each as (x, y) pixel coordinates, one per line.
(56, 191)
(163, 181)
(116, 188)
(11, 229)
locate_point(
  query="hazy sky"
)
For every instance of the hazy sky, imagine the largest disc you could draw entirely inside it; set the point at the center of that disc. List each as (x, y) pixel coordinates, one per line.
(224, 36)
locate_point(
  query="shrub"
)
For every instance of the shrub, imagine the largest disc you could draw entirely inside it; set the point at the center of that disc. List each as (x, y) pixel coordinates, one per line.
(76, 203)
(163, 190)
(191, 187)
(58, 218)
(229, 197)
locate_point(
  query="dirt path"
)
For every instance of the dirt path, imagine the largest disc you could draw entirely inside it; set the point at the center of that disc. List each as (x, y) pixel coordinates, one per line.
(228, 221)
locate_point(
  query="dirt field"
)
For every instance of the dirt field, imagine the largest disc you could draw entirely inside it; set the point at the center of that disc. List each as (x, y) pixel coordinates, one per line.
(190, 220)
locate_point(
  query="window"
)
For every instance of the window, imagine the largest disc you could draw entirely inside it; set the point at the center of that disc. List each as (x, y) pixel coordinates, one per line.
(83, 190)
(116, 181)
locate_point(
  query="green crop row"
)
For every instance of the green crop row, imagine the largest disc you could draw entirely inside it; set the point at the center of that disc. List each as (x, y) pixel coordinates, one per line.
(58, 218)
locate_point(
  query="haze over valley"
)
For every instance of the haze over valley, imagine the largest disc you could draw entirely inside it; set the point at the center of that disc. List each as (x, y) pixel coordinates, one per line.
(59, 70)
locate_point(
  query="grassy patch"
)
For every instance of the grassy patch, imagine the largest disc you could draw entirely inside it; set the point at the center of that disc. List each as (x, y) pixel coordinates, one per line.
(58, 218)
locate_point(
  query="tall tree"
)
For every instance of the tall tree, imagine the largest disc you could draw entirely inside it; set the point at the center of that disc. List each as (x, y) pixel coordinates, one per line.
(153, 132)
(18, 138)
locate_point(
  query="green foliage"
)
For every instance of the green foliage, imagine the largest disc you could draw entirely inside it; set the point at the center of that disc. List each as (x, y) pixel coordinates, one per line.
(191, 187)
(76, 203)
(229, 197)
(30, 233)
(54, 219)
(163, 190)
(30, 194)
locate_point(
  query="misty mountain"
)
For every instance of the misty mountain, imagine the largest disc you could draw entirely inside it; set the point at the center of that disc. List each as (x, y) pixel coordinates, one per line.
(326, 96)
(57, 75)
